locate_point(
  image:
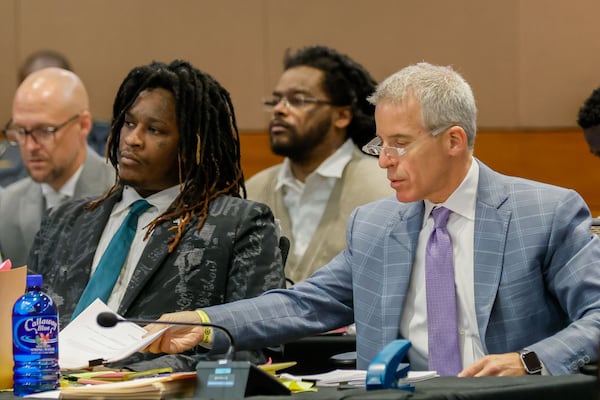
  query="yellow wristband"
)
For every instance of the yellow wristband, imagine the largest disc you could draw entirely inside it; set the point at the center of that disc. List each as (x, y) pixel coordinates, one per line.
(204, 318)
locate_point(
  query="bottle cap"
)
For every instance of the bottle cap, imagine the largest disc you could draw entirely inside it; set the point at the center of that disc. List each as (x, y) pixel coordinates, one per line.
(35, 281)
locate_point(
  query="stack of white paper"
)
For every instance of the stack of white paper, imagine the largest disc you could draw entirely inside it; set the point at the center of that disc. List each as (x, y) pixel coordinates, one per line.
(355, 377)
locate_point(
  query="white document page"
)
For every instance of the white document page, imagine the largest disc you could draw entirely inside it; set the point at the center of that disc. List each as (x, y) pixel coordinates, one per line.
(84, 340)
(355, 377)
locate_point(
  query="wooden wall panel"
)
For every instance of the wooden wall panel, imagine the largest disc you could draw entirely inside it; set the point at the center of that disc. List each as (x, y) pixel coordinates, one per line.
(256, 153)
(559, 59)
(476, 38)
(8, 49)
(530, 62)
(558, 157)
(106, 38)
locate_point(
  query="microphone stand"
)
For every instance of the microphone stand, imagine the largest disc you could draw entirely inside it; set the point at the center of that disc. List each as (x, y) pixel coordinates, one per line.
(224, 379)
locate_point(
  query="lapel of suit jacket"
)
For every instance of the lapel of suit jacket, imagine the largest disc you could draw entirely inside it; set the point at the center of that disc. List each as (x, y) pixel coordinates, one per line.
(281, 214)
(491, 227)
(152, 258)
(89, 230)
(400, 245)
(88, 184)
(337, 199)
(31, 212)
(325, 224)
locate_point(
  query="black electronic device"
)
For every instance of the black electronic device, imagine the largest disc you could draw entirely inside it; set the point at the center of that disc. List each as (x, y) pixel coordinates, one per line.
(531, 362)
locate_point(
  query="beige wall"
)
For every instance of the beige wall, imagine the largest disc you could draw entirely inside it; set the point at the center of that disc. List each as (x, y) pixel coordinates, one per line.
(530, 62)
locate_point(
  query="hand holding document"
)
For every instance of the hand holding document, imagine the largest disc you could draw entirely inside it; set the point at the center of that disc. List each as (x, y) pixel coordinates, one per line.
(83, 340)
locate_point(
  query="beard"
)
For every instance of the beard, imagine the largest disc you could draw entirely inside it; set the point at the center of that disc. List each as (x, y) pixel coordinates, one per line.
(299, 146)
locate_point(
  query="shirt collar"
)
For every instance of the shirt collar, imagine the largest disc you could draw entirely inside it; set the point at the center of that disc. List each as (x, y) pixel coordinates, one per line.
(332, 167)
(160, 200)
(68, 189)
(462, 201)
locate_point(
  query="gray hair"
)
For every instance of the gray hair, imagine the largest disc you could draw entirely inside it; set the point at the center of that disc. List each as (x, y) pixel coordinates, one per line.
(445, 97)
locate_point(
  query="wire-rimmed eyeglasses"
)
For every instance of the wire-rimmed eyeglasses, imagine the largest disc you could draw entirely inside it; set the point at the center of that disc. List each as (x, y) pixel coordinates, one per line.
(291, 101)
(375, 148)
(41, 134)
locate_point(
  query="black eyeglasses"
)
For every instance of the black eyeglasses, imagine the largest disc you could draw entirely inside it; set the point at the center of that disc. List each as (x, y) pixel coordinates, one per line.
(41, 134)
(292, 101)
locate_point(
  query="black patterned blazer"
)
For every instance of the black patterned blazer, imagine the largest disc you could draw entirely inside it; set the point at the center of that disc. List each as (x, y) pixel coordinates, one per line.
(234, 256)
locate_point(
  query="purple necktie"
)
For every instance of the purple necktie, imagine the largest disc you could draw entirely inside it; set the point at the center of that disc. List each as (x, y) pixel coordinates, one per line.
(444, 350)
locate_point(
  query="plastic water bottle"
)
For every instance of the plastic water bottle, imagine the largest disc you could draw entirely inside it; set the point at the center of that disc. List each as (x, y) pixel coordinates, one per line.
(35, 340)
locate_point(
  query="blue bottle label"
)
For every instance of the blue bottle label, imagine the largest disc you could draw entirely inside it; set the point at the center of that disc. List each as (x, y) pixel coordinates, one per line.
(35, 335)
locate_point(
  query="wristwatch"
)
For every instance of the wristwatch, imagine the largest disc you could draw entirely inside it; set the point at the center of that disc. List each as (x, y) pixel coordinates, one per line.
(531, 362)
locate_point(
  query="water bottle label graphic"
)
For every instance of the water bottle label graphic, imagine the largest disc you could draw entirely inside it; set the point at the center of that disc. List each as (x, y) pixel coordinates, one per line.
(39, 336)
(35, 341)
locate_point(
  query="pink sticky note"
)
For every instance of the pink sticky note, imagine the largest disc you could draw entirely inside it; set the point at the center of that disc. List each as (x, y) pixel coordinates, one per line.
(6, 265)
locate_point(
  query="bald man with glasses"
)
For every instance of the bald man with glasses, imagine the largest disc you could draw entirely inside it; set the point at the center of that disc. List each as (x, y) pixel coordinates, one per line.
(50, 124)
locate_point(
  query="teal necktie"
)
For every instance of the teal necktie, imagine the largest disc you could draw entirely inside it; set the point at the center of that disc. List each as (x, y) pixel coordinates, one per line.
(104, 278)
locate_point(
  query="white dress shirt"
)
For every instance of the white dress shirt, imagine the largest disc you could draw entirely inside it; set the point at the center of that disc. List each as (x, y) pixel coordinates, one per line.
(306, 201)
(159, 203)
(54, 198)
(461, 227)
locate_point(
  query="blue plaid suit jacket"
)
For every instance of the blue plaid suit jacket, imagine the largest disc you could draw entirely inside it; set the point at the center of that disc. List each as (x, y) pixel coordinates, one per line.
(537, 278)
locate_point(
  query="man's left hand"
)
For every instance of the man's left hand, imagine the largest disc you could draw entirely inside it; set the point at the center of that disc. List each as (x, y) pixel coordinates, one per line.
(508, 364)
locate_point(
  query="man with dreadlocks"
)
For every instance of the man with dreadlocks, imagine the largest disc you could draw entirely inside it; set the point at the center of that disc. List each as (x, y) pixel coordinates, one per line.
(175, 144)
(319, 120)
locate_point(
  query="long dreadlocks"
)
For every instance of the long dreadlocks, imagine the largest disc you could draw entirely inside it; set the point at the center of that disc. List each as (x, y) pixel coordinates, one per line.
(209, 147)
(346, 82)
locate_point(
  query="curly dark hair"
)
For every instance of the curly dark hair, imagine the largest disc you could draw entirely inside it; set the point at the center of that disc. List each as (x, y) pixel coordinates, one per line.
(589, 113)
(346, 82)
(209, 146)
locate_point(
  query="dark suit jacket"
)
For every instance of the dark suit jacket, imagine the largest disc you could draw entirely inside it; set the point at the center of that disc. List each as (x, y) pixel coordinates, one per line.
(234, 256)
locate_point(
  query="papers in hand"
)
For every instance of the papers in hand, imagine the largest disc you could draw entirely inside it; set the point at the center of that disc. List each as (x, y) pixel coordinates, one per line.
(355, 377)
(84, 340)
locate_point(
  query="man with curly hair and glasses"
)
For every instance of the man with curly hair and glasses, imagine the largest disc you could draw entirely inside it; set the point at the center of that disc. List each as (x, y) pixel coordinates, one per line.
(319, 119)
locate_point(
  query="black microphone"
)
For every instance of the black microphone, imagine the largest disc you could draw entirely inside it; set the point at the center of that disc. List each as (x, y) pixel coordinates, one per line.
(284, 248)
(109, 319)
(218, 380)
